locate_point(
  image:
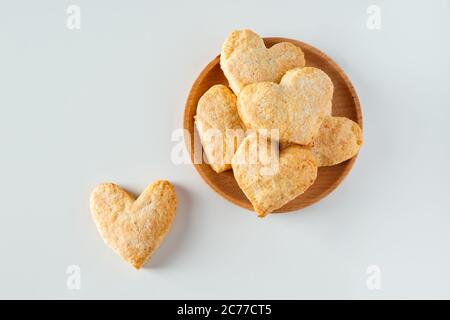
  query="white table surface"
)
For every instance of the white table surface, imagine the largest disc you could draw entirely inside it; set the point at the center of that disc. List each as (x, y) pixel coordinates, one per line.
(80, 107)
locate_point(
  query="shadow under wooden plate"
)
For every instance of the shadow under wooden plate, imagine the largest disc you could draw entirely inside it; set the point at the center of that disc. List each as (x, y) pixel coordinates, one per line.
(345, 104)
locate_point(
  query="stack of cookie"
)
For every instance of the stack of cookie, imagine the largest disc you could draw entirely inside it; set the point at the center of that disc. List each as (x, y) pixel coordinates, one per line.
(274, 128)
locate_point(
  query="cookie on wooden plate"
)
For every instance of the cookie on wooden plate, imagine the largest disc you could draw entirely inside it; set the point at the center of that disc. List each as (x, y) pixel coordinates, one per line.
(296, 107)
(245, 59)
(271, 178)
(219, 126)
(338, 140)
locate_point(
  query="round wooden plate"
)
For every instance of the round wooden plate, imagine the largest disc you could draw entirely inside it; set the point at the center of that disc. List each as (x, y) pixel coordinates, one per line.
(345, 103)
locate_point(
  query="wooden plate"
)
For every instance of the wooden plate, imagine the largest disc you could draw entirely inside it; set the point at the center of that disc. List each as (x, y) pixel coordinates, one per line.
(345, 103)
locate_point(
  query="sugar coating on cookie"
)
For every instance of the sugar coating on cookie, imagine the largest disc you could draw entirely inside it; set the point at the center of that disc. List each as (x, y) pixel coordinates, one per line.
(296, 107)
(275, 179)
(219, 126)
(245, 59)
(338, 140)
(133, 228)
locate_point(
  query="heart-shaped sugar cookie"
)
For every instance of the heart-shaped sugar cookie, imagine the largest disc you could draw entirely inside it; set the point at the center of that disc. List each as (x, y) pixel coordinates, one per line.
(219, 126)
(296, 107)
(133, 228)
(245, 59)
(272, 179)
(339, 139)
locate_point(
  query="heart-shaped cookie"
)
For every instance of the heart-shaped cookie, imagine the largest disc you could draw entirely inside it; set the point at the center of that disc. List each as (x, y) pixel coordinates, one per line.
(296, 107)
(272, 178)
(219, 126)
(245, 59)
(133, 228)
(339, 139)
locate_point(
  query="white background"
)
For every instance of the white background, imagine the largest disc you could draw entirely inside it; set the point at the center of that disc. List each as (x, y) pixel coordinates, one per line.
(80, 107)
